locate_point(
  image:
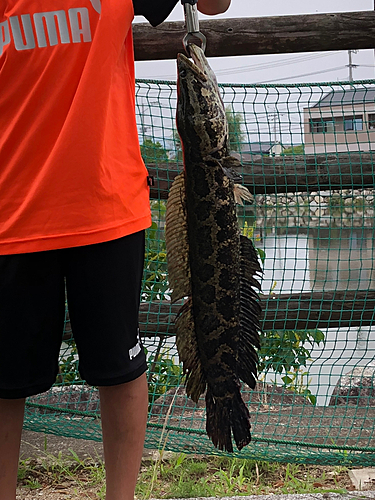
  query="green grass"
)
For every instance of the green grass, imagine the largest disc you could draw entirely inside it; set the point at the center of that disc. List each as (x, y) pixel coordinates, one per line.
(188, 476)
(53, 472)
(184, 476)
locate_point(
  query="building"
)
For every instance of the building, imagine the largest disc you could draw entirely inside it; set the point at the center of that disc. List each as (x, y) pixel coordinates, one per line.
(342, 121)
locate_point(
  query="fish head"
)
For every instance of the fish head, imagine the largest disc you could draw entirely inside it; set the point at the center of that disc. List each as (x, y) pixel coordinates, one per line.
(201, 118)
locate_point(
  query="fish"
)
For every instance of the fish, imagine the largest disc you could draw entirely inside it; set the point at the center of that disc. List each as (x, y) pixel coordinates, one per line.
(214, 268)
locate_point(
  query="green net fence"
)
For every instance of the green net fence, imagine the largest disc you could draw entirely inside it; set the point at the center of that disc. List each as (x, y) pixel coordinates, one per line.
(307, 157)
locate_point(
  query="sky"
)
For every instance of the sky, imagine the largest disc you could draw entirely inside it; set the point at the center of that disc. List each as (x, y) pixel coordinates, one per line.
(280, 68)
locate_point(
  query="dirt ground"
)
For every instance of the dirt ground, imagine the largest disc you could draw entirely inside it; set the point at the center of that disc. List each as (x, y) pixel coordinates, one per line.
(37, 444)
(67, 492)
(38, 447)
(280, 415)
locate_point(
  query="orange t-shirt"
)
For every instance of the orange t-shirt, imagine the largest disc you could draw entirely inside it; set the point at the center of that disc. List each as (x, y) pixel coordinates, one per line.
(71, 172)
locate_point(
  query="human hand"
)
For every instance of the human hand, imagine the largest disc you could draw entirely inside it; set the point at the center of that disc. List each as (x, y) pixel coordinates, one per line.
(212, 7)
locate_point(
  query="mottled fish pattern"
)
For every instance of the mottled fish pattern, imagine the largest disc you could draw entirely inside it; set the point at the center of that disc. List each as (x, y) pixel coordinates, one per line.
(210, 263)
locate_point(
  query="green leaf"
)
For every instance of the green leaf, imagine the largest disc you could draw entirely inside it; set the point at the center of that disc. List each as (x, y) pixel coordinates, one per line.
(262, 254)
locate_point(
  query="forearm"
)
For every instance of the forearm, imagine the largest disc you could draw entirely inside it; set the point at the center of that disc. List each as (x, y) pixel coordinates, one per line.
(212, 7)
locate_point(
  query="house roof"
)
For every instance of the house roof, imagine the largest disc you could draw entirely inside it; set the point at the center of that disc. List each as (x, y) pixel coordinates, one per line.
(258, 147)
(347, 96)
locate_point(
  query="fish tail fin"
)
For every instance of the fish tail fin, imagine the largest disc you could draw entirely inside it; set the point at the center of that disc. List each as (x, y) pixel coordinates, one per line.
(224, 416)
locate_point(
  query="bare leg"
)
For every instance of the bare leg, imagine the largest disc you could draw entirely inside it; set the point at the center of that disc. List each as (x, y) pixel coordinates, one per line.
(11, 421)
(124, 418)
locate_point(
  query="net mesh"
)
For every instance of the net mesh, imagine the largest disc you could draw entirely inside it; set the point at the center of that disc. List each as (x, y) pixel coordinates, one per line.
(306, 154)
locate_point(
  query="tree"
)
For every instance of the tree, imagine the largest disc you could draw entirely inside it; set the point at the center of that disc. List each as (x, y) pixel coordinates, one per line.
(153, 152)
(294, 150)
(236, 136)
(178, 144)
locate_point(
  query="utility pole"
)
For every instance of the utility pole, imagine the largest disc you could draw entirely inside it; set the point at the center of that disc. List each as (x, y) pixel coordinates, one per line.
(273, 117)
(351, 65)
(274, 125)
(144, 128)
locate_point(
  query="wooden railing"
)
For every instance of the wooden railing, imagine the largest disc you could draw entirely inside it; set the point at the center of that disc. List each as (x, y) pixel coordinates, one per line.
(275, 35)
(296, 311)
(287, 174)
(261, 35)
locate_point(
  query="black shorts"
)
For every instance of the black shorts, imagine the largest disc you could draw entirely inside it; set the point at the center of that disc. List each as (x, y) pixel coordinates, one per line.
(103, 284)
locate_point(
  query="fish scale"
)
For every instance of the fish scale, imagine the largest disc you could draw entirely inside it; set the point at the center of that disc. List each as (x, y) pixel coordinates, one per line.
(210, 264)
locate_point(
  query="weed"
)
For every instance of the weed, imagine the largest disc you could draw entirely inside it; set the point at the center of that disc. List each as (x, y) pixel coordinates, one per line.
(185, 476)
(164, 374)
(56, 470)
(33, 484)
(336, 201)
(359, 203)
(68, 366)
(285, 352)
(155, 276)
(233, 478)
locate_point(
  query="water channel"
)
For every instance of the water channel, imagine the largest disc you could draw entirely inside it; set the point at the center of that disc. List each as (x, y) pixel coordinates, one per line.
(301, 259)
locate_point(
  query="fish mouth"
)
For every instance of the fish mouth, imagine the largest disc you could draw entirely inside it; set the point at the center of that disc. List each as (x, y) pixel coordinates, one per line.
(185, 64)
(198, 57)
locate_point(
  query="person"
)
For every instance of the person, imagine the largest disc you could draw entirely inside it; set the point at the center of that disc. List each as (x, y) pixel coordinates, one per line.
(74, 205)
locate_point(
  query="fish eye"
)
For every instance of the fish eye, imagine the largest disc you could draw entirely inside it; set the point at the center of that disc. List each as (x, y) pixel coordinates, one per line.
(183, 73)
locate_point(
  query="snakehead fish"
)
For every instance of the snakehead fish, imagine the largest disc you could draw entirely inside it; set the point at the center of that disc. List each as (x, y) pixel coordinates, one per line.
(209, 262)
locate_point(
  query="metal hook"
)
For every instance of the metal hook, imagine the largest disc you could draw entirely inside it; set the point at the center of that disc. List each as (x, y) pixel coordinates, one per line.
(191, 38)
(192, 25)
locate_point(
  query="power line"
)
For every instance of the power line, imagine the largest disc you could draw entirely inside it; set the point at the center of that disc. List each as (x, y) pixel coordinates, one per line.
(268, 65)
(305, 74)
(280, 62)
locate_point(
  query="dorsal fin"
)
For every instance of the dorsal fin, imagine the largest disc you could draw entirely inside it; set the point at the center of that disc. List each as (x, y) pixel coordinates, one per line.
(249, 313)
